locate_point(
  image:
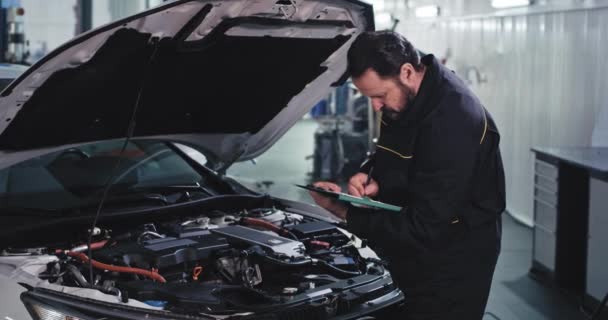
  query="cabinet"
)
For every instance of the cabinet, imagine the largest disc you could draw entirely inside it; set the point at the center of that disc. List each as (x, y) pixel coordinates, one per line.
(571, 220)
(561, 200)
(545, 214)
(597, 251)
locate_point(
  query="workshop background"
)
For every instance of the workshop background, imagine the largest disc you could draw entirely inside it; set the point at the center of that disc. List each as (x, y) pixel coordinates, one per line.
(538, 66)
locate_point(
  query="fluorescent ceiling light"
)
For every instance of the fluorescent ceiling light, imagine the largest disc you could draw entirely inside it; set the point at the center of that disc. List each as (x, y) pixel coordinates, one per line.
(427, 11)
(501, 4)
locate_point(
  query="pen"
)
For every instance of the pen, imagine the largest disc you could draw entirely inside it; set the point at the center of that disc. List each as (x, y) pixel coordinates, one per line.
(369, 179)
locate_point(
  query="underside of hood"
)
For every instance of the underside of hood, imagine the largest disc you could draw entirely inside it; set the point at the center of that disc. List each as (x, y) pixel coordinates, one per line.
(228, 77)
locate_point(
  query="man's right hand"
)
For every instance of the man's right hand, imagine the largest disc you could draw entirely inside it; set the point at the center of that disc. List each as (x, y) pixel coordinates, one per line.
(357, 187)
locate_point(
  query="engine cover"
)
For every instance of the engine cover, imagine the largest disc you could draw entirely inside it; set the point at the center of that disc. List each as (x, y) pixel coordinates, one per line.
(276, 244)
(162, 253)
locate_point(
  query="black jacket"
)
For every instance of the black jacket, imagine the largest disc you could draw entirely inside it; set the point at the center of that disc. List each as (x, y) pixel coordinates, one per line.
(441, 162)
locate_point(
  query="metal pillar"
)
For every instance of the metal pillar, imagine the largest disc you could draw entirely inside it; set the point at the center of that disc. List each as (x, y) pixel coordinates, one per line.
(84, 19)
(3, 33)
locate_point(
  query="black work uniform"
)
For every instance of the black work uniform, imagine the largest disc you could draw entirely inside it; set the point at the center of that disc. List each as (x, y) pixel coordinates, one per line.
(440, 161)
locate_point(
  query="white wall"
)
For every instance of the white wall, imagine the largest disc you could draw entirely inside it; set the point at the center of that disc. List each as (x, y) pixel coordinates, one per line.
(543, 72)
(50, 23)
(105, 11)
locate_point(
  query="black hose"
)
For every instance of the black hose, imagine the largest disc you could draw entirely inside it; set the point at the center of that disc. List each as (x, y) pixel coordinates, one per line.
(82, 281)
(291, 235)
(338, 270)
(305, 262)
(287, 263)
(259, 252)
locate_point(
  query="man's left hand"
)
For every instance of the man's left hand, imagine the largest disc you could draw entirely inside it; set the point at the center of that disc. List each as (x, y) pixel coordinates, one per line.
(332, 205)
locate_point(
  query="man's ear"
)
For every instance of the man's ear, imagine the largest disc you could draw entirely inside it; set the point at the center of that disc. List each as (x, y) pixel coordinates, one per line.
(406, 73)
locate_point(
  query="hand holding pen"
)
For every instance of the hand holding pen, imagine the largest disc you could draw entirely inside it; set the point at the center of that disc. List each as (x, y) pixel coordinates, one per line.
(363, 185)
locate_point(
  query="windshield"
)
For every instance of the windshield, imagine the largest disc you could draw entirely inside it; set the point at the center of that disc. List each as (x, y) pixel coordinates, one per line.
(4, 83)
(75, 177)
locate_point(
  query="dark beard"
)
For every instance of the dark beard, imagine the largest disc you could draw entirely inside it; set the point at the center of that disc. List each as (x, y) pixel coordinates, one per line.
(394, 115)
(409, 98)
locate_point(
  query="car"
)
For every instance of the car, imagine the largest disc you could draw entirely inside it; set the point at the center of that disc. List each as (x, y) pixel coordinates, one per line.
(8, 73)
(114, 198)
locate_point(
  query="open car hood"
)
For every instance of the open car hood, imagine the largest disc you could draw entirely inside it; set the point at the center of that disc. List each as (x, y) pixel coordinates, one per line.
(226, 77)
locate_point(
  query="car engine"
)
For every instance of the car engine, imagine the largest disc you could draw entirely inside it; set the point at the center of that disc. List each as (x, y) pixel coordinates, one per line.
(217, 263)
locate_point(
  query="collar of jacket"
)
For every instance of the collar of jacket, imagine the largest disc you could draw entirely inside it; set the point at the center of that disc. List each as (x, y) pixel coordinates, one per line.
(427, 98)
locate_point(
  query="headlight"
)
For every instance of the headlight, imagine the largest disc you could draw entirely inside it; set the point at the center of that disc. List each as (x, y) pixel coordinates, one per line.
(45, 313)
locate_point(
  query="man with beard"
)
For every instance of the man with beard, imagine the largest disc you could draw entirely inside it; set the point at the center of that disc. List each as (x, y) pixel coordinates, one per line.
(437, 157)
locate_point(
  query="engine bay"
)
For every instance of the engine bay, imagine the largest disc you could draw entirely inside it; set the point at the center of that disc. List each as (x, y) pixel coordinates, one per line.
(219, 263)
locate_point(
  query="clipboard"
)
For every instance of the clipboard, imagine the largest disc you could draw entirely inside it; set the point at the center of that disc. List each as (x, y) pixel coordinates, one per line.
(359, 201)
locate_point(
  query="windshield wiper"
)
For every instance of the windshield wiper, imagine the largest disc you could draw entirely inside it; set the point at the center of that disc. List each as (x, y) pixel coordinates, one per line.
(169, 189)
(137, 196)
(130, 199)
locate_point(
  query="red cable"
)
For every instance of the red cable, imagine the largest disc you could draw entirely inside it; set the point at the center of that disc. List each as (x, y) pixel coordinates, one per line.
(196, 272)
(150, 274)
(98, 244)
(322, 244)
(81, 248)
(263, 224)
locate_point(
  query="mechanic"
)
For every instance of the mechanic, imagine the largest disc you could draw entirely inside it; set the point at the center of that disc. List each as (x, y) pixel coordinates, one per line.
(438, 158)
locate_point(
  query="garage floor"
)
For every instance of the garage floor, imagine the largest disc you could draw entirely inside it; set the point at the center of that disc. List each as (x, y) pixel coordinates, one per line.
(514, 295)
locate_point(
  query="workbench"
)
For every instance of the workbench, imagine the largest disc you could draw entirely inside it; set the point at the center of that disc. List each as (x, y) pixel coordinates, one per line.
(570, 246)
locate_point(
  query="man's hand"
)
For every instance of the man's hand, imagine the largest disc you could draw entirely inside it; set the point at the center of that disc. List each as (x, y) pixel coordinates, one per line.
(357, 187)
(332, 205)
